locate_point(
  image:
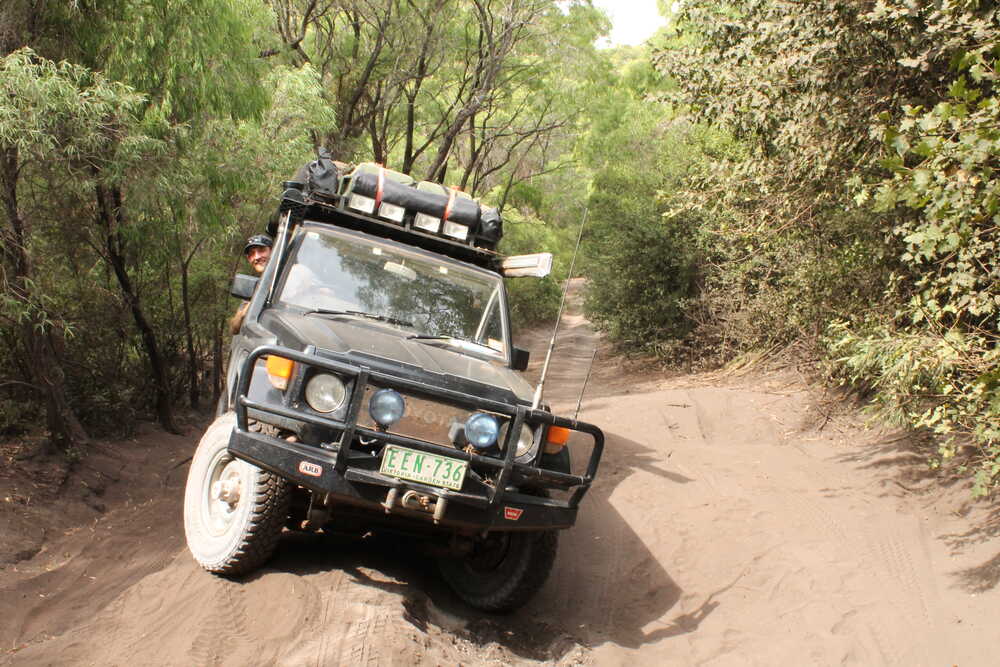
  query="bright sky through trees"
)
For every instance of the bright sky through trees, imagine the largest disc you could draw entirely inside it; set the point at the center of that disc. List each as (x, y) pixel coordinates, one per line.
(633, 21)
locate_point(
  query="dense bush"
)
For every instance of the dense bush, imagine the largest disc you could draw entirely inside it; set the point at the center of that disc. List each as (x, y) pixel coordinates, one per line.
(642, 261)
(642, 267)
(862, 208)
(933, 361)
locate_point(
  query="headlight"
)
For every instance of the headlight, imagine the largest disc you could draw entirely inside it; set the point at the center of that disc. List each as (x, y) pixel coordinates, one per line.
(386, 407)
(325, 392)
(525, 440)
(481, 430)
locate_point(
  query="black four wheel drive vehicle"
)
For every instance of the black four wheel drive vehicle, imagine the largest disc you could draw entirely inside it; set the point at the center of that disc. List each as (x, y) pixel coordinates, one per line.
(373, 386)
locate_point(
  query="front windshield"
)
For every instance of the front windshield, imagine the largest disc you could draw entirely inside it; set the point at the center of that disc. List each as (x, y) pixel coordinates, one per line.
(330, 271)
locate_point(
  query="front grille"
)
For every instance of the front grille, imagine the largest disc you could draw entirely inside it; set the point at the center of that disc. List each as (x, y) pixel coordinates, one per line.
(425, 420)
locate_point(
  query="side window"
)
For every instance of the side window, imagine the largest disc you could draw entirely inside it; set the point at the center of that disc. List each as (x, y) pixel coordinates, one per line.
(492, 331)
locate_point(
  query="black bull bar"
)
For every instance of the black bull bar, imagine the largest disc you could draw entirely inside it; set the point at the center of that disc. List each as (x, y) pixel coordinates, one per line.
(351, 476)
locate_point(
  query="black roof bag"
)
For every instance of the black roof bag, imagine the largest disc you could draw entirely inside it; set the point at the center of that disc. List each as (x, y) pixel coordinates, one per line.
(463, 210)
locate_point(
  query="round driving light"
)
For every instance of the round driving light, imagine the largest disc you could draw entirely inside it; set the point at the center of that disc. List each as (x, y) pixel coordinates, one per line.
(325, 392)
(481, 430)
(386, 407)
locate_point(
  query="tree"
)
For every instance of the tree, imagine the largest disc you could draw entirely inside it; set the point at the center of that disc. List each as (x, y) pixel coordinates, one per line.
(428, 85)
(193, 61)
(799, 86)
(47, 111)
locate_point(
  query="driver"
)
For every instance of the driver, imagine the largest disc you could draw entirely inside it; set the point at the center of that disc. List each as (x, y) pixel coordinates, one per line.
(258, 252)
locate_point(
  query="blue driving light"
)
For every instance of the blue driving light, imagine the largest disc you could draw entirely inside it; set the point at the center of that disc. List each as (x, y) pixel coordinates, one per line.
(386, 407)
(481, 430)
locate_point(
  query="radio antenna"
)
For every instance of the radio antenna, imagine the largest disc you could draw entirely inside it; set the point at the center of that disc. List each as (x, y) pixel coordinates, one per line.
(562, 303)
(576, 415)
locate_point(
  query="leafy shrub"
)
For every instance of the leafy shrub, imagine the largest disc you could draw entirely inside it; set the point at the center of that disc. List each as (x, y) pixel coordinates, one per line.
(642, 267)
(934, 365)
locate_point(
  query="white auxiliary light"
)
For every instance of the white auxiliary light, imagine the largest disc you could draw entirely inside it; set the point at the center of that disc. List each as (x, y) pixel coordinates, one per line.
(391, 212)
(428, 223)
(455, 230)
(363, 204)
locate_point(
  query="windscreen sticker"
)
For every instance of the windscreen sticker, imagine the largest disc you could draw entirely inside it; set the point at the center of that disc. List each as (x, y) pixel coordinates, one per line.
(310, 469)
(512, 513)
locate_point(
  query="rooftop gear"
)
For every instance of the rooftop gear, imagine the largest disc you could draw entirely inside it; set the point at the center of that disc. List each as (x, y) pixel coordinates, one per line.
(377, 200)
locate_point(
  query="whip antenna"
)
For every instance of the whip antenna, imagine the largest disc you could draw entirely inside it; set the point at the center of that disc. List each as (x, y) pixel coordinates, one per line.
(590, 368)
(552, 343)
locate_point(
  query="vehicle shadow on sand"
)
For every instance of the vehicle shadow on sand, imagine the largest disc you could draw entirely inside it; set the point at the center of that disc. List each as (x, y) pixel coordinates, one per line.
(606, 585)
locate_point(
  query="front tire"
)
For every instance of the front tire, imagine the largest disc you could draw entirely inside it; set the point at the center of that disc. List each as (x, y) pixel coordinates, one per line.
(233, 511)
(503, 571)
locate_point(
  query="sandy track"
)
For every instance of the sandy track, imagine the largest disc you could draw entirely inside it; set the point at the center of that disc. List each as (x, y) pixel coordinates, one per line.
(732, 523)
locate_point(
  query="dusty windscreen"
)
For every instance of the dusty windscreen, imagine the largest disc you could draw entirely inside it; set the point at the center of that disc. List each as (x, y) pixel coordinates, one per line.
(330, 271)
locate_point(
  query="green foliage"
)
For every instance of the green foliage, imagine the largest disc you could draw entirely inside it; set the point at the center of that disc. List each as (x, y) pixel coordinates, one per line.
(192, 58)
(47, 107)
(933, 365)
(856, 201)
(478, 94)
(784, 249)
(642, 266)
(949, 201)
(641, 256)
(944, 381)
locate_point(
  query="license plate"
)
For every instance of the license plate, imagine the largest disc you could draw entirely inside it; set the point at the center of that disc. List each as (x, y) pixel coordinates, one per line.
(423, 467)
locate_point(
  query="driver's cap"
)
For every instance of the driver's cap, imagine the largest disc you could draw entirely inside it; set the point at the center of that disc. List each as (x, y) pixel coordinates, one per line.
(259, 240)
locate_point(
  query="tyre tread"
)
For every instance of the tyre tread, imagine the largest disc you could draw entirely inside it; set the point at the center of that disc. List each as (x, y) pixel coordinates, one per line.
(271, 502)
(514, 593)
(267, 520)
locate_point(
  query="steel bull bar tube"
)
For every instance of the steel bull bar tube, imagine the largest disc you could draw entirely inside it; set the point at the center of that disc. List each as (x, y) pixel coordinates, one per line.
(363, 377)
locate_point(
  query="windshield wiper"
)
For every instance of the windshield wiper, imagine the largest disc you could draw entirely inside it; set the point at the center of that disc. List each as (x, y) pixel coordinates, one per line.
(449, 337)
(361, 313)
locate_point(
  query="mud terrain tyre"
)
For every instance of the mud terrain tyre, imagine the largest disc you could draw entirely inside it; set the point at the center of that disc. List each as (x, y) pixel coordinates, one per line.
(503, 571)
(233, 511)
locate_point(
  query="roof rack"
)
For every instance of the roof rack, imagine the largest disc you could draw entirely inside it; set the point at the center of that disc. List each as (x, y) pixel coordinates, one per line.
(382, 202)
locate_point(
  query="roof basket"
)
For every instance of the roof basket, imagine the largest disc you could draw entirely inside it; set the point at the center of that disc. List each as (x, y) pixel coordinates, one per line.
(388, 203)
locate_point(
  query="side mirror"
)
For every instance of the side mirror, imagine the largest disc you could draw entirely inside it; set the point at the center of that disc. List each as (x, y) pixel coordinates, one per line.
(519, 359)
(244, 286)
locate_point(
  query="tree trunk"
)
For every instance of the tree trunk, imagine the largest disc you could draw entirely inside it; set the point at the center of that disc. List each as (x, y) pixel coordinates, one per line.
(109, 205)
(217, 370)
(45, 370)
(64, 427)
(193, 384)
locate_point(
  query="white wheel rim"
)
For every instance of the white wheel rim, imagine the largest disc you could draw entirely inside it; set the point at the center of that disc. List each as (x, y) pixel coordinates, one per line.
(224, 491)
